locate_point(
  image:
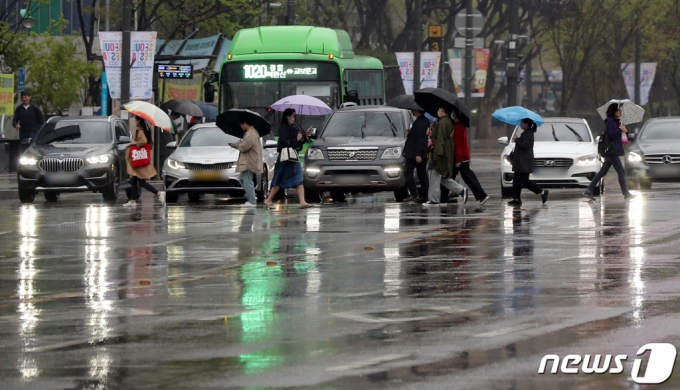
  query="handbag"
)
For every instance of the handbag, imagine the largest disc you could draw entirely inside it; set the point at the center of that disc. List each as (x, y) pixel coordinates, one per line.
(140, 156)
(289, 154)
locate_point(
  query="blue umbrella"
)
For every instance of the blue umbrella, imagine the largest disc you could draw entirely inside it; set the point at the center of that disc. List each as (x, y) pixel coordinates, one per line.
(209, 110)
(514, 115)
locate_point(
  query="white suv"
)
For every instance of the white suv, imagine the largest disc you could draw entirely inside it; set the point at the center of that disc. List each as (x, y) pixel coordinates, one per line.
(565, 156)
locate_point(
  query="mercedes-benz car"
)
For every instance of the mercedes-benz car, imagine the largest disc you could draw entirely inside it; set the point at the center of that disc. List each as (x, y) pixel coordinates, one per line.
(565, 156)
(359, 149)
(74, 154)
(204, 163)
(654, 154)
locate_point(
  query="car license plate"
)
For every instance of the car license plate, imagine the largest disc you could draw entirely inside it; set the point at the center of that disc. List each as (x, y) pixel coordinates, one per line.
(664, 171)
(61, 179)
(206, 176)
(351, 179)
(552, 173)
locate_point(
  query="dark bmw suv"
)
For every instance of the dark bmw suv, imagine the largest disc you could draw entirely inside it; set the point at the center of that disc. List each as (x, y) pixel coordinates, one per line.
(74, 154)
(359, 149)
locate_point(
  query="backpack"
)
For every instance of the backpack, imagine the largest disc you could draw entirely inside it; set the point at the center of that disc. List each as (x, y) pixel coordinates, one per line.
(605, 146)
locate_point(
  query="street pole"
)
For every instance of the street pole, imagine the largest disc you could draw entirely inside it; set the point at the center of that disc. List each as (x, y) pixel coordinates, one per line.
(467, 84)
(108, 8)
(638, 71)
(290, 18)
(125, 57)
(512, 71)
(418, 43)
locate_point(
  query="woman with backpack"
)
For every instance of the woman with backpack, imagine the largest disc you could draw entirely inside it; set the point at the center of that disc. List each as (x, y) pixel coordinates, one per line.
(613, 145)
(523, 164)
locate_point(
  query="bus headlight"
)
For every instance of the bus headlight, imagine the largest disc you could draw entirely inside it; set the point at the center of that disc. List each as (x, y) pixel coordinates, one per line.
(314, 154)
(634, 157)
(391, 153)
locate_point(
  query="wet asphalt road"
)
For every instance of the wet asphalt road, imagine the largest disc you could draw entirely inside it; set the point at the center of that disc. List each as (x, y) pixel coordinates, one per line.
(368, 294)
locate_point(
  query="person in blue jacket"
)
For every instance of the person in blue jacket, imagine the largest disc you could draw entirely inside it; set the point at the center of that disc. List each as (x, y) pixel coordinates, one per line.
(614, 130)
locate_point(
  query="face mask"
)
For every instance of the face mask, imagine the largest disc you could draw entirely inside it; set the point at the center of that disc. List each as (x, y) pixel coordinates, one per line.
(291, 120)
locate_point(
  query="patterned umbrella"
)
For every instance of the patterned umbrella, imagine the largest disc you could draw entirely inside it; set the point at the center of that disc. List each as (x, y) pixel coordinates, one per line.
(149, 113)
(632, 113)
(303, 105)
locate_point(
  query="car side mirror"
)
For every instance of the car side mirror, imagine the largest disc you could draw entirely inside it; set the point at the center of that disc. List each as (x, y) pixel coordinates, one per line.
(26, 141)
(208, 92)
(503, 141)
(123, 140)
(270, 144)
(171, 145)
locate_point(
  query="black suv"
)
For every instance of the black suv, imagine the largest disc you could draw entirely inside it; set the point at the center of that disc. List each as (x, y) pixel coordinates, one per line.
(359, 149)
(74, 154)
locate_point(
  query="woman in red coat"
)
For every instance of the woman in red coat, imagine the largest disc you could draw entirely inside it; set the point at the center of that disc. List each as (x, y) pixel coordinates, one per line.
(462, 158)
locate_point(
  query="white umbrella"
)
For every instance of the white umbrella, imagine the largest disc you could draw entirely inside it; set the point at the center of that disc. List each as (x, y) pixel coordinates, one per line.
(150, 113)
(632, 113)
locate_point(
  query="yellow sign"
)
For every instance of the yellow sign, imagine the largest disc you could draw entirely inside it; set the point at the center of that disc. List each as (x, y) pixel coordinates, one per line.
(182, 89)
(434, 31)
(6, 94)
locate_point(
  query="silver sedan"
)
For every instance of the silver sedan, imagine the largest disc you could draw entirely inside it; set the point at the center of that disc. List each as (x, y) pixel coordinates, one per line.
(204, 163)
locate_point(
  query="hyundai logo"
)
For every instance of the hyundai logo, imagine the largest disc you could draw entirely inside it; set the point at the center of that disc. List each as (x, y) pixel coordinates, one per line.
(352, 154)
(667, 159)
(549, 163)
(207, 160)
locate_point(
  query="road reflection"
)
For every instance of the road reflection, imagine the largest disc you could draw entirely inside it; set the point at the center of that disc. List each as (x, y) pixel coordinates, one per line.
(29, 314)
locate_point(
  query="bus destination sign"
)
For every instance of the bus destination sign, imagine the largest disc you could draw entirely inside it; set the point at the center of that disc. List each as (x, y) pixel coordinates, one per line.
(175, 71)
(279, 71)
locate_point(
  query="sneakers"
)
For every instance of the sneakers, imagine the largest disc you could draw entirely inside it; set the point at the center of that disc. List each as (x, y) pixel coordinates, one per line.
(629, 197)
(483, 201)
(590, 197)
(430, 204)
(544, 196)
(130, 204)
(515, 203)
(464, 195)
(249, 205)
(161, 196)
(419, 200)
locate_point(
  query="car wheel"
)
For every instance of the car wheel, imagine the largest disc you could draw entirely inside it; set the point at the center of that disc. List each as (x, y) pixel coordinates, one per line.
(506, 192)
(110, 193)
(338, 196)
(599, 190)
(26, 196)
(264, 186)
(313, 196)
(194, 198)
(51, 196)
(401, 194)
(171, 197)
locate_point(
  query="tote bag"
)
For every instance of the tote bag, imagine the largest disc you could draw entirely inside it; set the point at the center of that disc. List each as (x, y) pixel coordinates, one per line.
(289, 154)
(140, 156)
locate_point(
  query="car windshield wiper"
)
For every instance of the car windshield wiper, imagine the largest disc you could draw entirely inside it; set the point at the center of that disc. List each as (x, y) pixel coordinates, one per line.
(553, 133)
(578, 137)
(394, 129)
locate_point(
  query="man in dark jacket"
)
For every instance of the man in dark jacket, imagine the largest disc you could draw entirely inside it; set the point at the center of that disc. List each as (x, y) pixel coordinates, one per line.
(523, 164)
(415, 153)
(27, 120)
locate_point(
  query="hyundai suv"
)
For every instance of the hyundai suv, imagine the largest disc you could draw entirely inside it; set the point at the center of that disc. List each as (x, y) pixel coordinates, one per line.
(359, 149)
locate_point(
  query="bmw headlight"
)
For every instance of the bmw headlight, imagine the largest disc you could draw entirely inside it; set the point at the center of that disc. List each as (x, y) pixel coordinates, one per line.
(391, 153)
(175, 164)
(634, 157)
(506, 160)
(314, 154)
(103, 159)
(28, 160)
(587, 160)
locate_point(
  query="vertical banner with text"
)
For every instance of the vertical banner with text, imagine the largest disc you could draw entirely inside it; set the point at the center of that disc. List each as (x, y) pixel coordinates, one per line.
(480, 69)
(143, 46)
(6, 94)
(647, 73)
(429, 69)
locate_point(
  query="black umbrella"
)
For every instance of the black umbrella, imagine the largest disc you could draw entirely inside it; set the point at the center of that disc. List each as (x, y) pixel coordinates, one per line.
(406, 102)
(230, 122)
(184, 107)
(209, 110)
(431, 99)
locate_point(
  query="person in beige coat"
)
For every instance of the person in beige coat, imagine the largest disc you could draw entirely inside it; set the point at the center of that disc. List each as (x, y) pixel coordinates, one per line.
(139, 176)
(249, 162)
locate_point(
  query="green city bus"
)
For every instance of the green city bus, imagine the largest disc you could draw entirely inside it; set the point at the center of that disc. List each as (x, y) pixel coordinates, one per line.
(266, 64)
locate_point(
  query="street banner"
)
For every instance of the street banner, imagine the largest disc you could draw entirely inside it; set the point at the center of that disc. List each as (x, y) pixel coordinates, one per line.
(182, 89)
(647, 73)
(105, 96)
(143, 46)
(7, 94)
(480, 69)
(198, 48)
(429, 69)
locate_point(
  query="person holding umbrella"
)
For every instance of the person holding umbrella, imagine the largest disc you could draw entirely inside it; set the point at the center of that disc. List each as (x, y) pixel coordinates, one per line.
(288, 174)
(462, 157)
(140, 175)
(440, 167)
(523, 163)
(415, 153)
(249, 162)
(615, 129)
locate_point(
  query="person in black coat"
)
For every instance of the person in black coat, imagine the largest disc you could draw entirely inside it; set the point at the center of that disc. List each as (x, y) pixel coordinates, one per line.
(523, 163)
(415, 153)
(288, 174)
(27, 120)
